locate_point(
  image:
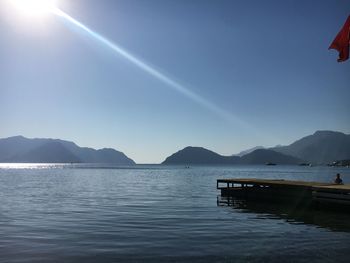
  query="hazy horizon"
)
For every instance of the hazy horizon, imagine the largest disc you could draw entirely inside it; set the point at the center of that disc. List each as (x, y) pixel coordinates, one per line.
(248, 73)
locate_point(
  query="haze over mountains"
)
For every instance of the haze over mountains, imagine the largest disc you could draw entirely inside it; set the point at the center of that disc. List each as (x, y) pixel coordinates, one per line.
(19, 149)
(323, 147)
(320, 148)
(240, 154)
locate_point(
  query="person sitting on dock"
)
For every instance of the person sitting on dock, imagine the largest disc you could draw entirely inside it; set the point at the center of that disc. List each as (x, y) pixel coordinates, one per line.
(338, 180)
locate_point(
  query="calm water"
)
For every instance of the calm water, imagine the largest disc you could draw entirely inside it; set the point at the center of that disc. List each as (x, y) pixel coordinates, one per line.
(158, 214)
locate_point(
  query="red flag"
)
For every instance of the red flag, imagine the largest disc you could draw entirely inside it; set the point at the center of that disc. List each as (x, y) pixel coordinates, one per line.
(341, 42)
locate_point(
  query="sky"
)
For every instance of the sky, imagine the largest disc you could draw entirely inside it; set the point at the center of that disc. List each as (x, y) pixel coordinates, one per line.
(248, 73)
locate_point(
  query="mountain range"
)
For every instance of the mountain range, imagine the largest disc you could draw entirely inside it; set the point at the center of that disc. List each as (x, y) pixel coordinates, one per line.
(199, 155)
(322, 147)
(242, 153)
(19, 149)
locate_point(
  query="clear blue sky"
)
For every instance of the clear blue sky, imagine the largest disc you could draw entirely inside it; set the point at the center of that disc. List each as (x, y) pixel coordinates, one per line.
(266, 63)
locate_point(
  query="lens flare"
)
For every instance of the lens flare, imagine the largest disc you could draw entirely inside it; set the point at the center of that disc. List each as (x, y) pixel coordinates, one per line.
(34, 7)
(43, 7)
(156, 73)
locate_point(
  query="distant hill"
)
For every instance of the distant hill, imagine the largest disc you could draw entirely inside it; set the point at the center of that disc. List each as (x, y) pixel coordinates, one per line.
(322, 147)
(263, 156)
(24, 150)
(240, 154)
(199, 155)
(50, 152)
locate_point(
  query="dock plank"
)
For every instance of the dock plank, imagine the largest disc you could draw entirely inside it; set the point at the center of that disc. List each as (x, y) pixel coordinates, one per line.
(345, 187)
(279, 182)
(302, 192)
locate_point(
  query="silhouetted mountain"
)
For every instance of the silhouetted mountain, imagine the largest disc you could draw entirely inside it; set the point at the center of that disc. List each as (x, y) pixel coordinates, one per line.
(263, 156)
(21, 149)
(248, 151)
(198, 155)
(50, 152)
(322, 147)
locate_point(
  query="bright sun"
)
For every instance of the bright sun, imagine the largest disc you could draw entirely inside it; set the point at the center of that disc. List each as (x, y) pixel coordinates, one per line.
(35, 7)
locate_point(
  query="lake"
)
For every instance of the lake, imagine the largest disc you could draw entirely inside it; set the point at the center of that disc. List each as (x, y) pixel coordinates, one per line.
(153, 213)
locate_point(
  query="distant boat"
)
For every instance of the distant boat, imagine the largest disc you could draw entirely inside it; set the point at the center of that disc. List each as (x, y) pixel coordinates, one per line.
(270, 164)
(305, 164)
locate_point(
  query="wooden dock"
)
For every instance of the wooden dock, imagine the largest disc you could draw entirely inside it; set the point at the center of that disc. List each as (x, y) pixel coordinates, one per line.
(294, 192)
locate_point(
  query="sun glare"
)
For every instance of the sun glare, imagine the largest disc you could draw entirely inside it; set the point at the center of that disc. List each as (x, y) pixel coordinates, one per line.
(35, 7)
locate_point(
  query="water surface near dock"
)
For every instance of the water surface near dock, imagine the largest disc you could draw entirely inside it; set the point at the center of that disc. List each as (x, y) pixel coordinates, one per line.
(157, 213)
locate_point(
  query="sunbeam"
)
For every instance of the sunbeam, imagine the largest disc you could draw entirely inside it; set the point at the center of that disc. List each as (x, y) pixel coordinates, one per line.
(154, 72)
